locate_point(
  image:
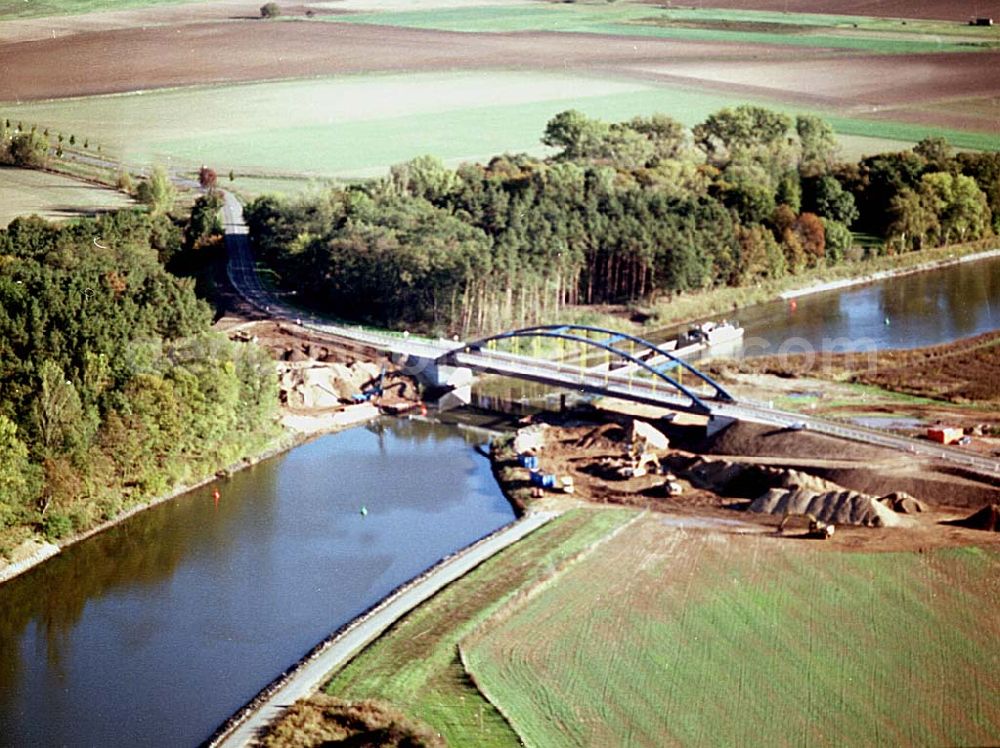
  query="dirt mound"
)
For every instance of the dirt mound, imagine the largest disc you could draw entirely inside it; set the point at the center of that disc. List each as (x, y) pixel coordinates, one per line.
(902, 503)
(987, 518)
(761, 440)
(796, 480)
(933, 485)
(327, 720)
(836, 507)
(310, 384)
(605, 436)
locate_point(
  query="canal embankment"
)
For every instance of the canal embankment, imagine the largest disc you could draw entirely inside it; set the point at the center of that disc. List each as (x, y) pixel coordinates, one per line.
(298, 429)
(860, 280)
(691, 306)
(310, 672)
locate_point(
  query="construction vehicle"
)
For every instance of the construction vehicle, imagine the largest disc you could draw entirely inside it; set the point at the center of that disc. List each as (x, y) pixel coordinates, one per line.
(817, 529)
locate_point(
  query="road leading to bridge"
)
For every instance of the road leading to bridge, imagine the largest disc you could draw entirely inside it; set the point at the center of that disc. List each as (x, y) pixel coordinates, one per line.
(244, 277)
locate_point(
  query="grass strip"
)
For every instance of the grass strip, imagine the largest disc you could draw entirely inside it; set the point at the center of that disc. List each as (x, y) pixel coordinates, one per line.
(416, 665)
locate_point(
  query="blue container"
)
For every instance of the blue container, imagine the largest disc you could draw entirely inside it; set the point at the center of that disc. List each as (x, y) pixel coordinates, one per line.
(549, 480)
(530, 461)
(536, 478)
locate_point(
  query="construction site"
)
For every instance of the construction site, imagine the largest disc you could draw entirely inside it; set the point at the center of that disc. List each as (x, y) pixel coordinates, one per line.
(801, 484)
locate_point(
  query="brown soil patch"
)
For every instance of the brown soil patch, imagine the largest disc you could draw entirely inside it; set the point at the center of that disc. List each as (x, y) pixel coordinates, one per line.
(948, 10)
(200, 53)
(325, 720)
(960, 372)
(754, 439)
(865, 85)
(219, 43)
(724, 486)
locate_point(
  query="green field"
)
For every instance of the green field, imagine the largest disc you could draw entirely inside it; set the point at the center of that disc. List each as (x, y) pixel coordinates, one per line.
(875, 35)
(25, 192)
(36, 8)
(357, 126)
(666, 636)
(415, 664)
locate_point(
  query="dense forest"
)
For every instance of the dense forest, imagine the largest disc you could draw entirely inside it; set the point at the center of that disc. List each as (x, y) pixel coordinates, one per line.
(112, 388)
(622, 212)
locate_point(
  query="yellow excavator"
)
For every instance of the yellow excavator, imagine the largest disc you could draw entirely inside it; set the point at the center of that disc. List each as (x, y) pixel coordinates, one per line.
(817, 529)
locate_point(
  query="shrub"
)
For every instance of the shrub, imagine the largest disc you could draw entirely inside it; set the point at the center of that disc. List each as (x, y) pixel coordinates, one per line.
(29, 150)
(56, 524)
(270, 10)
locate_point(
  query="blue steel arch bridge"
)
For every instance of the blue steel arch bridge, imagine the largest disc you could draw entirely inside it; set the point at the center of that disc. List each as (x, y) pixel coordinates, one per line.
(595, 360)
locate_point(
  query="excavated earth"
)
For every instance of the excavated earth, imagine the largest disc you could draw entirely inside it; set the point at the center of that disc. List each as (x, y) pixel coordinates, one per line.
(879, 499)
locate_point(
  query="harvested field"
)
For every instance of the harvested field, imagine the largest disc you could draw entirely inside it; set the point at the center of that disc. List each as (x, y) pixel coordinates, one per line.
(693, 24)
(959, 372)
(667, 635)
(156, 57)
(25, 192)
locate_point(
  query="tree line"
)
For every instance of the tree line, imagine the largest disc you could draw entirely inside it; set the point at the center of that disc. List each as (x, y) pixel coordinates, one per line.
(620, 212)
(112, 387)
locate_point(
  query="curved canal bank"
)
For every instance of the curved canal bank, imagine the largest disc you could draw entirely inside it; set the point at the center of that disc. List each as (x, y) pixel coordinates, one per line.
(157, 629)
(861, 280)
(309, 673)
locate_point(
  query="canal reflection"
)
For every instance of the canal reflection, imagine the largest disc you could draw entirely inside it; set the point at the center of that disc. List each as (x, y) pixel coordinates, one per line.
(153, 632)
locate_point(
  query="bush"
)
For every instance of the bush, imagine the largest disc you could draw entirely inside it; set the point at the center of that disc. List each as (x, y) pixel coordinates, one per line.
(270, 10)
(29, 150)
(56, 524)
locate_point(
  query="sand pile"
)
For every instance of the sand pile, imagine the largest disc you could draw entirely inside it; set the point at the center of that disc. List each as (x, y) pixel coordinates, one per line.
(841, 507)
(322, 385)
(987, 518)
(902, 503)
(796, 480)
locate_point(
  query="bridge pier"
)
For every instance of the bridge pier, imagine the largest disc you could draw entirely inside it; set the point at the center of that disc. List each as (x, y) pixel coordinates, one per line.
(454, 383)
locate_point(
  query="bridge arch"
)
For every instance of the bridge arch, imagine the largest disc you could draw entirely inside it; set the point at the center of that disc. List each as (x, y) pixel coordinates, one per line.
(571, 333)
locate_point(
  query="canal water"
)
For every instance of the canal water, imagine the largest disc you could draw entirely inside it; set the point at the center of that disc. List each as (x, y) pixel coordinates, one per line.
(928, 308)
(155, 631)
(910, 311)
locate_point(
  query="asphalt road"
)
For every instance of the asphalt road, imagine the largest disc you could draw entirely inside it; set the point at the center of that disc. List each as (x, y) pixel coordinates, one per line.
(311, 674)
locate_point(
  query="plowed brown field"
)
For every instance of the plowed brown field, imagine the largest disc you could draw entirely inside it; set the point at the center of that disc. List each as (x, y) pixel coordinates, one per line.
(155, 57)
(85, 62)
(948, 10)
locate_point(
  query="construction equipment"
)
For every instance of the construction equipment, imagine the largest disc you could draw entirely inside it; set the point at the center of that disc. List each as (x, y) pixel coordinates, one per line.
(817, 529)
